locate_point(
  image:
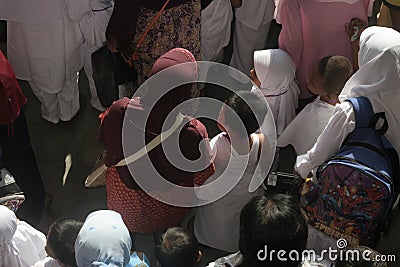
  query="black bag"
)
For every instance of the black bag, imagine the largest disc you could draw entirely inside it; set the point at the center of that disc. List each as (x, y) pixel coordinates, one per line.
(283, 183)
(103, 76)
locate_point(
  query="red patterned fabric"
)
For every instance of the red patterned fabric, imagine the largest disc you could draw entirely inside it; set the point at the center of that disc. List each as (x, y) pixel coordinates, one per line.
(141, 213)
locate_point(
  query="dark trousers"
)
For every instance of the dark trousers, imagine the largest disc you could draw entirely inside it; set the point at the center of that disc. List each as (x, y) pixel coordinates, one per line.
(18, 158)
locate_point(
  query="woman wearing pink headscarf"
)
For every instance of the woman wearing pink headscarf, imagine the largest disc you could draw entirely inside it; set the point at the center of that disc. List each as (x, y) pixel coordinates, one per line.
(313, 29)
(141, 212)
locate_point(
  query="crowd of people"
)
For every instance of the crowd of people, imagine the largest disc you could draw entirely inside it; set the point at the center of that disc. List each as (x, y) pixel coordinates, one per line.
(326, 53)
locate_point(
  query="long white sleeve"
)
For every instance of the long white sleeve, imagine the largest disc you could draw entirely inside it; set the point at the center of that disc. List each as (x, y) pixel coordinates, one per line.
(329, 142)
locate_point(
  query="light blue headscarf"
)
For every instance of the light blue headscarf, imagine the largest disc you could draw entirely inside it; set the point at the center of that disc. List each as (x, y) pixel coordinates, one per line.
(103, 241)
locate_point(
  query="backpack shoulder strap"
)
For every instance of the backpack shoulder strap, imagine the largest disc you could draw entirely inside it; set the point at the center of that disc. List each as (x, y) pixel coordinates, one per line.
(362, 111)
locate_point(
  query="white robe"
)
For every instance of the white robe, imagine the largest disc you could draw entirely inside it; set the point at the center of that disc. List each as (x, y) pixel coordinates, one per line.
(378, 79)
(216, 21)
(93, 17)
(47, 262)
(217, 224)
(48, 54)
(276, 72)
(253, 20)
(303, 131)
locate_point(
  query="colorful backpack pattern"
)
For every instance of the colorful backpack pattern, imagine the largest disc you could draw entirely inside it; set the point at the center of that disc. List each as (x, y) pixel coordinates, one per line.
(356, 188)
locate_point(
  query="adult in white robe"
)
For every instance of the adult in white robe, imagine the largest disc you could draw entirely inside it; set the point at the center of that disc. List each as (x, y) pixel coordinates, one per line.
(46, 50)
(253, 20)
(216, 21)
(378, 79)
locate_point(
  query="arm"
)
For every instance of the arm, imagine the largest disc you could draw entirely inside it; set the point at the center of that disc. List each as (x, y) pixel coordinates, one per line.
(236, 3)
(291, 36)
(354, 29)
(330, 140)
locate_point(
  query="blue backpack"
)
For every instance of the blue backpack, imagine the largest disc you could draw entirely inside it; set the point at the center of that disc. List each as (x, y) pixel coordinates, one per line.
(357, 187)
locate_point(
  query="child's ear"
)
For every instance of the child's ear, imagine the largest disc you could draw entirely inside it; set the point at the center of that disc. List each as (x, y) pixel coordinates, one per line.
(199, 256)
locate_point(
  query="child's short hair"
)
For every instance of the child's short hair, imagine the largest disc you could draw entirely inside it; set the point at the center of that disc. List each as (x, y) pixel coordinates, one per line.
(178, 248)
(276, 222)
(357, 260)
(250, 108)
(61, 239)
(336, 70)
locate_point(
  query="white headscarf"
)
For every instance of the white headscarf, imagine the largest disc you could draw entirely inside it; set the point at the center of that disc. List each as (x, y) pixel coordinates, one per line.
(276, 72)
(103, 241)
(20, 244)
(8, 226)
(378, 77)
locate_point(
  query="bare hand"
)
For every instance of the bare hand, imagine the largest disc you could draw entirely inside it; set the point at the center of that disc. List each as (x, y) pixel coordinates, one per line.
(354, 28)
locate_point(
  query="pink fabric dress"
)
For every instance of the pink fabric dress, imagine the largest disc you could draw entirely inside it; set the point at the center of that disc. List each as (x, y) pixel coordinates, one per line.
(312, 29)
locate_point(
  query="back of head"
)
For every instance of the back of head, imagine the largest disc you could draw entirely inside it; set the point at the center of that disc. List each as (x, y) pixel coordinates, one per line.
(249, 108)
(103, 240)
(61, 240)
(270, 224)
(336, 71)
(178, 248)
(360, 257)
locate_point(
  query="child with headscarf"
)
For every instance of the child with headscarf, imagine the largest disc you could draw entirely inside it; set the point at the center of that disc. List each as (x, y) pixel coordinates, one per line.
(21, 245)
(326, 80)
(274, 75)
(104, 240)
(378, 79)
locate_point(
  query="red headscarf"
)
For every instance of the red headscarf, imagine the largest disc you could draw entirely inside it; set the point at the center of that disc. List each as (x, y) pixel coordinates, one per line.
(136, 110)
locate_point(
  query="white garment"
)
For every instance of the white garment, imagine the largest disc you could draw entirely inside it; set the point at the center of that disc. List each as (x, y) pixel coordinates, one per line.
(217, 224)
(253, 20)
(303, 131)
(235, 259)
(21, 245)
(47, 262)
(93, 17)
(49, 56)
(255, 13)
(216, 21)
(378, 79)
(276, 72)
(31, 11)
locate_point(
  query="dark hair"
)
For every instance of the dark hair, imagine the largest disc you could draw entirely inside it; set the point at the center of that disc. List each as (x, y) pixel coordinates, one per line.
(61, 239)
(277, 223)
(357, 260)
(336, 70)
(250, 108)
(178, 248)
